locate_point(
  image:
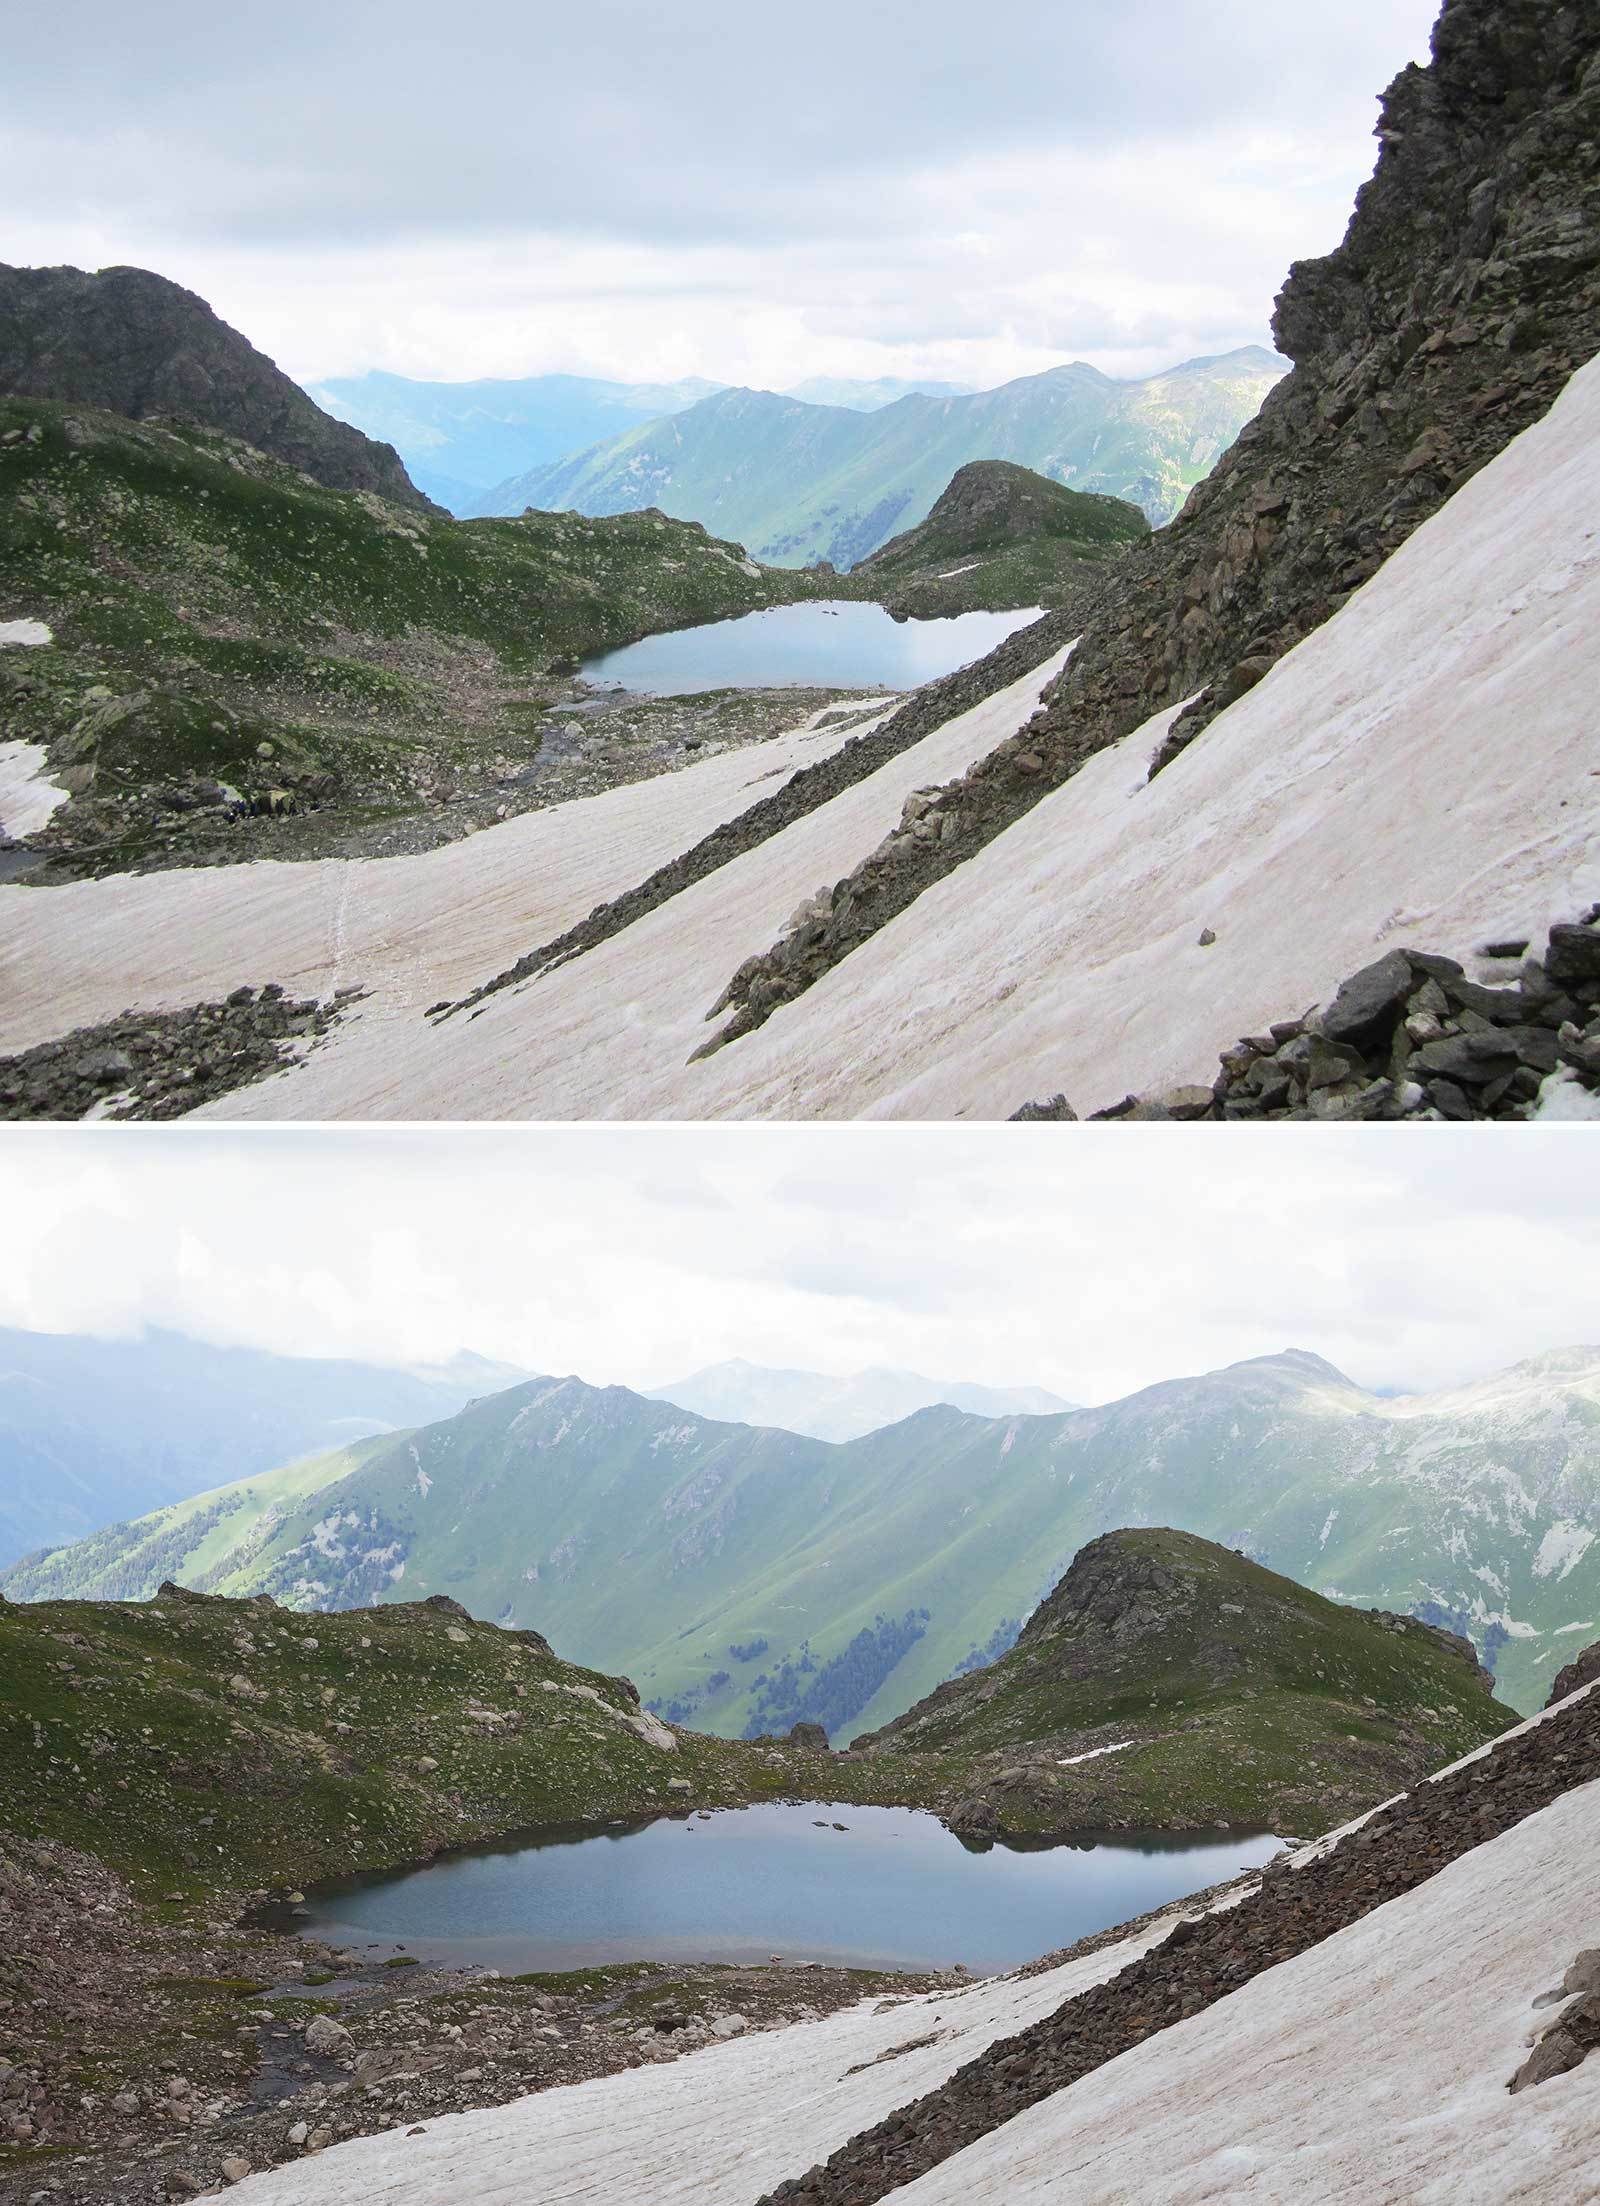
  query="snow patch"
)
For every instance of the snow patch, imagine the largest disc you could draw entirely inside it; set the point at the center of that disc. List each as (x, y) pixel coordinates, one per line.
(1066, 1761)
(25, 632)
(27, 796)
(1562, 1549)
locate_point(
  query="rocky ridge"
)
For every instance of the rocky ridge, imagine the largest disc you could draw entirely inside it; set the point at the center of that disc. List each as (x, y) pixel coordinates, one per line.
(1409, 1036)
(1208, 1956)
(1465, 293)
(136, 344)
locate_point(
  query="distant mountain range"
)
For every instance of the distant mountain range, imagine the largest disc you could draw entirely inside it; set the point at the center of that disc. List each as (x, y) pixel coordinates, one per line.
(93, 1430)
(460, 440)
(749, 1577)
(796, 482)
(829, 1407)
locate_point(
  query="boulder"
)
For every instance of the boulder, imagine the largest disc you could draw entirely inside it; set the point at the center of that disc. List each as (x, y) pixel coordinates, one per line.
(1369, 1005)
(327, 2038)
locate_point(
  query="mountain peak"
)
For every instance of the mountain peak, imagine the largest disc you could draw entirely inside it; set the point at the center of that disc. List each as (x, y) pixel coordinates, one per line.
(130, 342)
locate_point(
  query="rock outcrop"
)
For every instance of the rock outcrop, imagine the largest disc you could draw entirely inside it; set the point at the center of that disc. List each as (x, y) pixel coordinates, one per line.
(1409, 1036)
(1464, 295)
(136, 344)
(1017, 539)
(1576, 1674)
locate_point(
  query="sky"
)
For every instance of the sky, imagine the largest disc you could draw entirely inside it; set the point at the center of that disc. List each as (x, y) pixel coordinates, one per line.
(1088, 1264)
(507, 187)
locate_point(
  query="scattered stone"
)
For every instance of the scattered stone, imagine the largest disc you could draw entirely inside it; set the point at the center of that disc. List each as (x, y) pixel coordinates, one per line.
(162, 1064)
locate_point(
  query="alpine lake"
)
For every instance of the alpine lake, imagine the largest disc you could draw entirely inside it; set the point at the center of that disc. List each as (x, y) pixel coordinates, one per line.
(859, 1887)
(848, 644)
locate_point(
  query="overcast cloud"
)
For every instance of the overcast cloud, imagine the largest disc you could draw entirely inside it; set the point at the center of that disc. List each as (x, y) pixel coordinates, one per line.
(1091, 1265)
(741, 192)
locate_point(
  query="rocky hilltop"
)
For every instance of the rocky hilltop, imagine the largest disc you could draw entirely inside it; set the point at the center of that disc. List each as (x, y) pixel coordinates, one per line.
(1017, 537)
(1464, 295)
(134, 343)
(1167, 1680)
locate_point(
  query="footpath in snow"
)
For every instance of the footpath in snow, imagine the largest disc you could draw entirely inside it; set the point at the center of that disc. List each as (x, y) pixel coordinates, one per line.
(608, 1033)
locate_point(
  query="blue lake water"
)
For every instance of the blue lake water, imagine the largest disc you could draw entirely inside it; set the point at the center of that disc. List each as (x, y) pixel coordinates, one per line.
(816, 646)
(894, 1889)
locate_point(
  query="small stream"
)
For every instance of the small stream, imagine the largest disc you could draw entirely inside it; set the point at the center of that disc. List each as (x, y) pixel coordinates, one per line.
(850, 1886)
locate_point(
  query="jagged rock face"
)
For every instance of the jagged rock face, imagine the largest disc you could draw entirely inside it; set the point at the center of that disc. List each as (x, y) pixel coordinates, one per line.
(1576, 1674)
(1112, 1589)
(135, 344)
(1465, 294)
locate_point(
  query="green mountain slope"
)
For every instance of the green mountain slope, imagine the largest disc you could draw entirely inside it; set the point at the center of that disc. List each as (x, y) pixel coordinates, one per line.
(999, 535)
(752, 1578)
(800, 483)
(237, 648)
(1166, 1679)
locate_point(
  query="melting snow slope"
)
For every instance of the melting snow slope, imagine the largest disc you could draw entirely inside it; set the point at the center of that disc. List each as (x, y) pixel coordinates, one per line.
(608, 1034)
(1371, 2069)
(1420, 770)
(410, 929)
(27, 795)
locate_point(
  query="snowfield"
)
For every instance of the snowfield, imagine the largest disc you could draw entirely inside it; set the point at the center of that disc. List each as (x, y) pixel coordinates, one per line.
(411, 929)
(1420, 771)
(1372, 2069)
(595, 1036)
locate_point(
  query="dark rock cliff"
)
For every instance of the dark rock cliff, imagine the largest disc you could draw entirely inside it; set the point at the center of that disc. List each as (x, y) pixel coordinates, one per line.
(135, 344)
(1464, 295)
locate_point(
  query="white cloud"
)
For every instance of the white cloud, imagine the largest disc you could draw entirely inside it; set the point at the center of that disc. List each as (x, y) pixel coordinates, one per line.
(1091, 1263)
(644, 193)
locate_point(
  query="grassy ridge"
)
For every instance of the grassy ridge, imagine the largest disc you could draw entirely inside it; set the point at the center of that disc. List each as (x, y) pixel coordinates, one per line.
(199, 1743)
